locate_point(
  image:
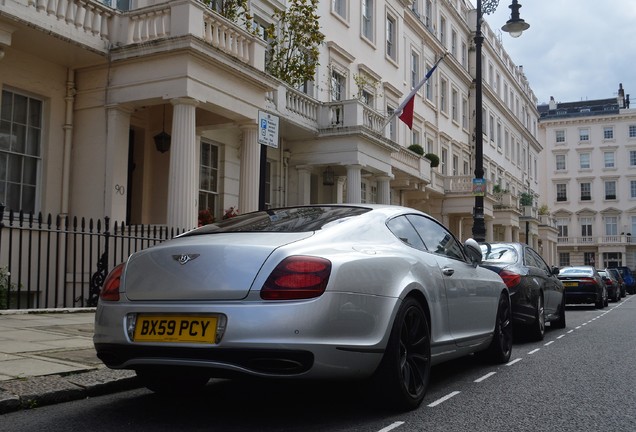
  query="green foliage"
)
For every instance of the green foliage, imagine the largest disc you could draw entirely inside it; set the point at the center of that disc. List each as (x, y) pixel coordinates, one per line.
(293, 42)
(544, 210)
(526, 199)
(233, 10)
(4, 288)
(416, 148)
(362, 82)
(433, 158)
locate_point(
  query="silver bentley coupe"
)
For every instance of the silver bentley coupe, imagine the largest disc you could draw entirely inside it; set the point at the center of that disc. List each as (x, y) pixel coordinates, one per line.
(356, 292)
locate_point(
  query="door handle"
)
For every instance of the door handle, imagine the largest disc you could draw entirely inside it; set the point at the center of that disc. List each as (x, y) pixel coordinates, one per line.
(448, 271)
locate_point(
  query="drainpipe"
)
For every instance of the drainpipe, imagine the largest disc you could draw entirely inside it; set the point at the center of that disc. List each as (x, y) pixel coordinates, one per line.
(68, 140)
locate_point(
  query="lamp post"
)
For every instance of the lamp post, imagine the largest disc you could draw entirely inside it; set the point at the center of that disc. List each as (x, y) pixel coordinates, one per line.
(515, 26)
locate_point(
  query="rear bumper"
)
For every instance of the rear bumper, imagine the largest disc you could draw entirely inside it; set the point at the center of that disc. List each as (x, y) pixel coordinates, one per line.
(582, 297)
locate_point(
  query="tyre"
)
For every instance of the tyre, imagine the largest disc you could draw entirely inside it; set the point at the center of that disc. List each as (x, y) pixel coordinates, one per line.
(537, 329)
(617, 295)
(600, 303)
(606, 301)
(404, 373)
(560, 322)
(500, 347)
(173, 381)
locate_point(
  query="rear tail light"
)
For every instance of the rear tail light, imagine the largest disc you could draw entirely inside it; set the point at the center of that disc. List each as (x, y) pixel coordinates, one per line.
(110, 290)
(297, 277)
(588, 280)
(511, 279)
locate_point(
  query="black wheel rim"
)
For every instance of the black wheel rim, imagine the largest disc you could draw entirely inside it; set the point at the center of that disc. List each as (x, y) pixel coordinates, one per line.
(504, 326)
(414, 352)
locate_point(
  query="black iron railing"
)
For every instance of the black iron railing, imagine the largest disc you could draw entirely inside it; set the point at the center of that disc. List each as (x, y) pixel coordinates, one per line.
(62, 262)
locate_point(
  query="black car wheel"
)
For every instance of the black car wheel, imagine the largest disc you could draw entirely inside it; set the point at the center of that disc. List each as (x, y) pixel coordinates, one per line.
(173, 381)
(537, 329)
(600, 303)
(405, 370)
(560, 322)
(606, 302)
(500, 347)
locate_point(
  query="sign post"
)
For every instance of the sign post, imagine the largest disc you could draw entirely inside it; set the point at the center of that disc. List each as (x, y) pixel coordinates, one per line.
(267, 137)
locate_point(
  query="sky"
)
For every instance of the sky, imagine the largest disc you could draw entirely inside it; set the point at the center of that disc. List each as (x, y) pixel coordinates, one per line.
(574, 50)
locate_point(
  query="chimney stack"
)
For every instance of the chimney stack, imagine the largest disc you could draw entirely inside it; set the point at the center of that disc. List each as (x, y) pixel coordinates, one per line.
(552, 105)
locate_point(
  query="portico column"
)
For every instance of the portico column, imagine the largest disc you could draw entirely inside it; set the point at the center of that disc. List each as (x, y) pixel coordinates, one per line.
(118, 126)
(249, 178)
(508, 233)
(354, 180)
(384, 190)
(184, 172)
(304, 185)
(490, 224)
(340, 189)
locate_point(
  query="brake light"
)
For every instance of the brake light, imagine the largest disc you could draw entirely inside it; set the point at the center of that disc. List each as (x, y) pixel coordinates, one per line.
(511, 279)
(110, 289)
(297, 277)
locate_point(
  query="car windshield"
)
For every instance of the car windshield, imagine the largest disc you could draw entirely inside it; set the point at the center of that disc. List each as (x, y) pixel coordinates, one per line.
(505, 254)
(576, 271)
(292, 219)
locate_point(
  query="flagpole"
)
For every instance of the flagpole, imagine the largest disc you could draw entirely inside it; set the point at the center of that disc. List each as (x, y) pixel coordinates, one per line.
(400, 107)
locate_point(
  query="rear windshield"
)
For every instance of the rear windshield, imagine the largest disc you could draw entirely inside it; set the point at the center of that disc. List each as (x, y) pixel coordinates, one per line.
(504, 254)
(577, 271)
(292, 219)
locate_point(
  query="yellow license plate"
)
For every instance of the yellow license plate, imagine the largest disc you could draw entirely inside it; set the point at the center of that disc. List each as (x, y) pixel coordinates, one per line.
(175, 328)
(570, 284)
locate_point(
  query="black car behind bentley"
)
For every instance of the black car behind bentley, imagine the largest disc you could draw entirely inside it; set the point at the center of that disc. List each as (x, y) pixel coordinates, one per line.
(536, 293)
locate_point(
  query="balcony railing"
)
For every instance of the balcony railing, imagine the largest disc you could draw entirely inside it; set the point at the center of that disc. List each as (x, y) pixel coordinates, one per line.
(596, 240)
(91, 23)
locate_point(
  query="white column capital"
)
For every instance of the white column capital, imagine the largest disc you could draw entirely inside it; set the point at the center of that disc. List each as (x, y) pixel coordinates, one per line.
(184, 101)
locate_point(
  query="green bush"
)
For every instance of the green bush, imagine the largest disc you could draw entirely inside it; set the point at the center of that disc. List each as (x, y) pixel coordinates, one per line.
(433, 158)
(416, 148)
(526, 199)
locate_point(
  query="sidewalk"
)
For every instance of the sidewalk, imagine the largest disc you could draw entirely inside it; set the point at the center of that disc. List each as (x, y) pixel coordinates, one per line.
(47, 357)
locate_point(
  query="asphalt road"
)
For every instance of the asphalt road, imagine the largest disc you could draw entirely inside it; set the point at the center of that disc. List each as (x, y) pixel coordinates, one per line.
(578, 379)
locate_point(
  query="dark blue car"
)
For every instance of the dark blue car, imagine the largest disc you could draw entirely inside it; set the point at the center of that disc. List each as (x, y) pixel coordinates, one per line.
(628, 277)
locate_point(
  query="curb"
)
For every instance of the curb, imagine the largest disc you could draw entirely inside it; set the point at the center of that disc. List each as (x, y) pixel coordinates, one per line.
(34, 392)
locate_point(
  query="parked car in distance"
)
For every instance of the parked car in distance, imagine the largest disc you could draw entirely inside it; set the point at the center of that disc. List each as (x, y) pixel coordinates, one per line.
(583, 284)
(536, 294)
(621, 282)
(310, 292)
(628, 277)
(611, 284)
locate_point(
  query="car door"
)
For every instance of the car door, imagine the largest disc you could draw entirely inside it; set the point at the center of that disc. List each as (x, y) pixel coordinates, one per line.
(543, 276)
(472, 297)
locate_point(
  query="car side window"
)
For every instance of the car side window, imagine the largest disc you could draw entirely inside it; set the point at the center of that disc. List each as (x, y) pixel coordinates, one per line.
(402, 229)
(437, 239)
(536, 260)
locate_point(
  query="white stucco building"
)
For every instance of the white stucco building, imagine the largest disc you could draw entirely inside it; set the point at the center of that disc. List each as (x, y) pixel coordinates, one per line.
(590, 186)
(88, 89)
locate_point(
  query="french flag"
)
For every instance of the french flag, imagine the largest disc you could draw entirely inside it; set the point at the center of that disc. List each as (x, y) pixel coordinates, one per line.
(406, 108)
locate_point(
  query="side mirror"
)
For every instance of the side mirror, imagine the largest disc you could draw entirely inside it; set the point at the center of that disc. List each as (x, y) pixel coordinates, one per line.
(472, 249)
(555, 270)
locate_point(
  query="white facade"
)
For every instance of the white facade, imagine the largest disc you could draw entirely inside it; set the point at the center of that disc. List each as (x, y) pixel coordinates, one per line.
(106, 82)
(590, 181)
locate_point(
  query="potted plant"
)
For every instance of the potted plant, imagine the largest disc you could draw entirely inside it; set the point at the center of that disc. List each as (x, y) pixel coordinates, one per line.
(526, 199)
(433, 158)
(416, 148)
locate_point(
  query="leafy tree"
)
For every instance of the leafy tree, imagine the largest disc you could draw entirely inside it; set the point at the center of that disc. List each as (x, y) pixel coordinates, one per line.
(232, 10)
(294, 39)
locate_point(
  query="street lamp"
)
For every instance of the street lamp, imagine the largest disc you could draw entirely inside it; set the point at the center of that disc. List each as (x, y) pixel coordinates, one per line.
(515, 26)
